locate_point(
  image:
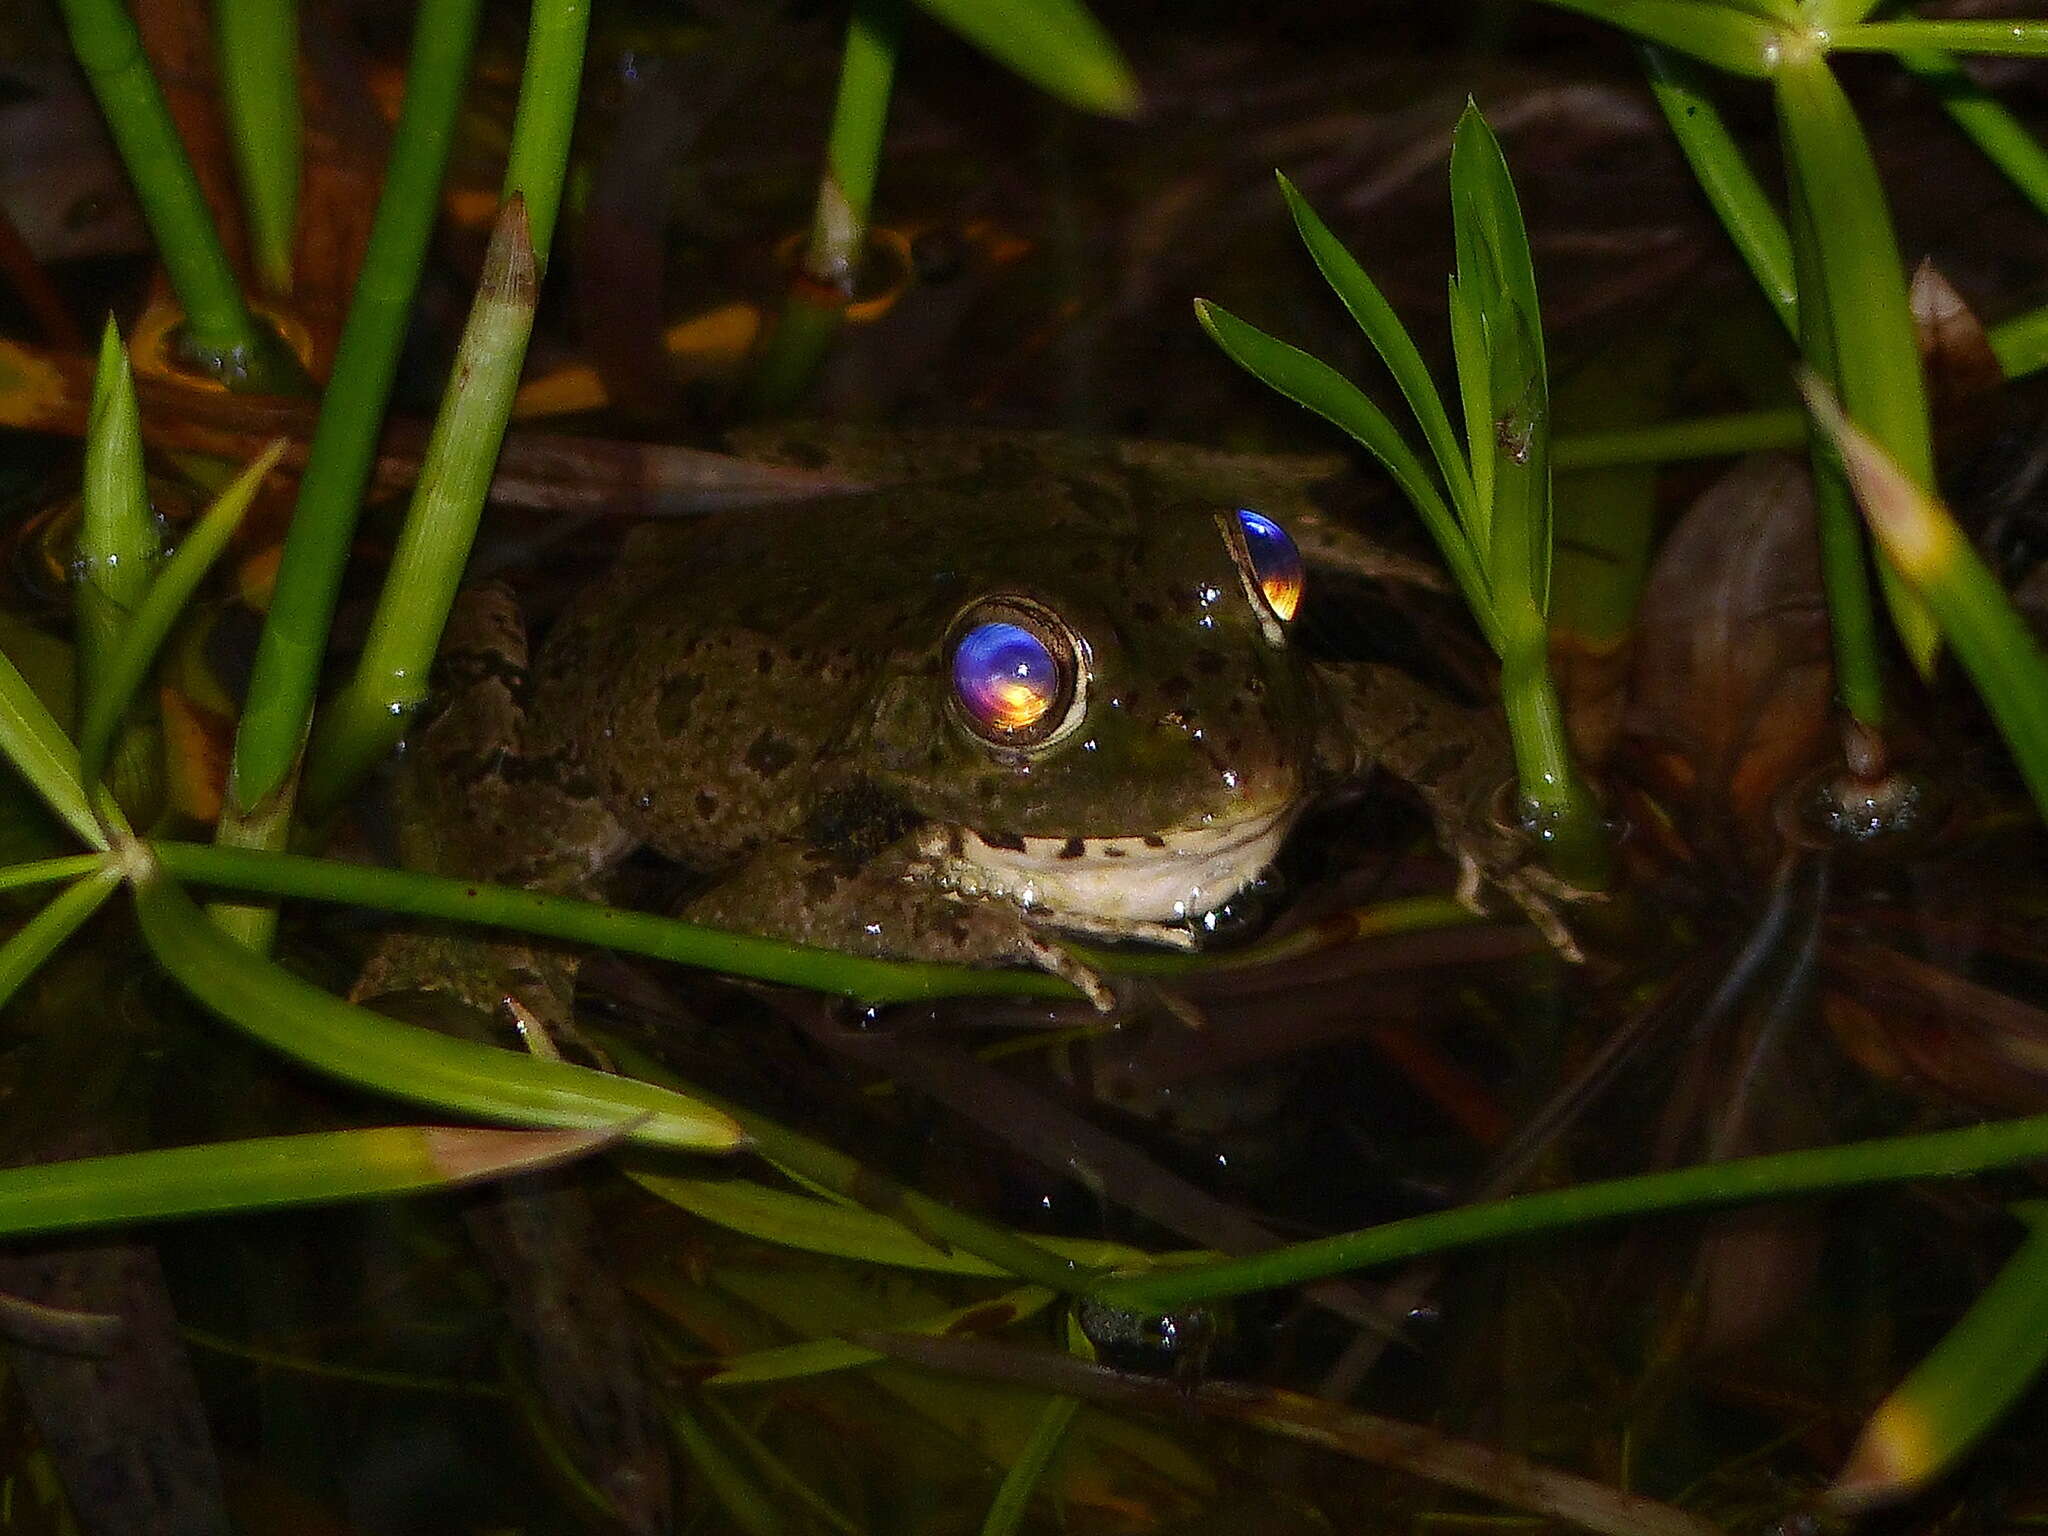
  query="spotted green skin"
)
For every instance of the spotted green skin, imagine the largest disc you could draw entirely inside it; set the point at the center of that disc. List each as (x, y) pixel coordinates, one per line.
(785, 673)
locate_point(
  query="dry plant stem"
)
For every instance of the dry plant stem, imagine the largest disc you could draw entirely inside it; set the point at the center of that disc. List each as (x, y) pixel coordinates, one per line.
(1425, 1452)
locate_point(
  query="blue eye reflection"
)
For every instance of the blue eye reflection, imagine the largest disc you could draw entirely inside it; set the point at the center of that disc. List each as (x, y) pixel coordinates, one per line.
(1005, 678)
(1276, 563)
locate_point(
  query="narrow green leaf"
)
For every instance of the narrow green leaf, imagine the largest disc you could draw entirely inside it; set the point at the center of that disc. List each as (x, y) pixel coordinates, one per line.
(1013, 1499)
(1851, 280)
(36, 940)
(818, 1357)
(117, 533)
(271, 1171)
(43, 755)
(363, 724)
(258, 45)
(1720, 35)
(849, 1232)
(1929, 550)
(299, 1020)
(1055, 44)
(143, 635)
(1938, 1154)
(2021, 37)
(2005, 141)
(744, 1502)
(1964, 1386)
(1724, 175)
(1383, 328)
(557, 32)
(1315, 385)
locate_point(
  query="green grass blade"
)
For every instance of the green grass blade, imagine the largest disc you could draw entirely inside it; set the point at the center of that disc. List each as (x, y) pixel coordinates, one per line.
(850, 1231)
(1013, 1499)
(297, 1019)
(1856, 329)
(43, 755)
(1320, 388)
(294, 640)
(363, 724)
(1383, 328)
(258, 45)
(2021, 37)
(1055, 44)
(2005, 141)
(1932, 552)
(36, 940)
(2021, 343)
(1724, 175)
(1777, 1176)
(1721, 35)
(117, 533)
(585, 922)
(220, 332)
(829, 268)
(817, 1357)
(745, 1503)
(556, 32)
(142, 637)
(1964, 1386)
(271, 1171)
(1660, 442)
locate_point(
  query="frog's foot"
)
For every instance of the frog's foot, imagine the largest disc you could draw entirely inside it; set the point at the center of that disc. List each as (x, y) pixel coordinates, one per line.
(1535, 890)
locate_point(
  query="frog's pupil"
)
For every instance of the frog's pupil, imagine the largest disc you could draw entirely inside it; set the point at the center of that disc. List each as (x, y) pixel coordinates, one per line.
(1004, 676)
(1275, 561)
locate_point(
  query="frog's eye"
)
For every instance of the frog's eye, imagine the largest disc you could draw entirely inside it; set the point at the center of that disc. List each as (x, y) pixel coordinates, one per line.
(1016, 673)
(1276, 568)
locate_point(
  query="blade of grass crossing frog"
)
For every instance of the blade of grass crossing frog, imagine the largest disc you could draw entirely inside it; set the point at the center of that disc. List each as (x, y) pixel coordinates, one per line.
(299, 1020)
(1055, 44)
(37, 939)
(1932, 552)
(136, 650)
(1316, 386)
(1013, 1498)
(1383, 328)
(1964, 1386)
(273, 1171)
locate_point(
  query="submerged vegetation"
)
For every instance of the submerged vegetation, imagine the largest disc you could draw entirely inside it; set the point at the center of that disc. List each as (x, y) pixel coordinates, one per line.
(879, 1196)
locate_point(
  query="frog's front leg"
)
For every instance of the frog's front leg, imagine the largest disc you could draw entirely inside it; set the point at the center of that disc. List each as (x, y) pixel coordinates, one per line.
(1461, 763)
(889, 906)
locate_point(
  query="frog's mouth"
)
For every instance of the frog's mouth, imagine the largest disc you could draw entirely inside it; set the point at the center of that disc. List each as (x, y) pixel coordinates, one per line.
(1115, 885)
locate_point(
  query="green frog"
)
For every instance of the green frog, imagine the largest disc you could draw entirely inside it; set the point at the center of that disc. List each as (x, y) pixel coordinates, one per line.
(1029, 688)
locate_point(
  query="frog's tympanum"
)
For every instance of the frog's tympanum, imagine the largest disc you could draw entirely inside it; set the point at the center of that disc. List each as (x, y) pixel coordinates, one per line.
(1053, 694)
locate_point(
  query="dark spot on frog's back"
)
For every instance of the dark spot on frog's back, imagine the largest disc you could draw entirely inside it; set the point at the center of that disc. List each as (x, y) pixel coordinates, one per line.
(672, 704)
(1005, 840)
(707, 804)
(1209, 663)
(1073, 848)
(769, 754)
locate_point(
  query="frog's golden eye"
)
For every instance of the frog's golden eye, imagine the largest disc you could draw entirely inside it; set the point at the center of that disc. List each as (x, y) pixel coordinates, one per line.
(1276, 568)
(1016, 673)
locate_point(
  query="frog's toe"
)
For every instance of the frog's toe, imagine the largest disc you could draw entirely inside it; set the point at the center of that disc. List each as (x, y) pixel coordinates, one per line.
(1539, 894)
(1050, 957)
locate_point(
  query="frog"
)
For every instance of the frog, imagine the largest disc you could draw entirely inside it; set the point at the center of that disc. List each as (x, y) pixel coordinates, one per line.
(1026, 690)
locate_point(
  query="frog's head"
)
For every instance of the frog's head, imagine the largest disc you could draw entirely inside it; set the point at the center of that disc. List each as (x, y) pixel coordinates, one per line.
(1110, 725)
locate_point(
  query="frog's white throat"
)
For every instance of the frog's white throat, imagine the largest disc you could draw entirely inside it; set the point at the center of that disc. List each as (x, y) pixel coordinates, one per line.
(1138, 885)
